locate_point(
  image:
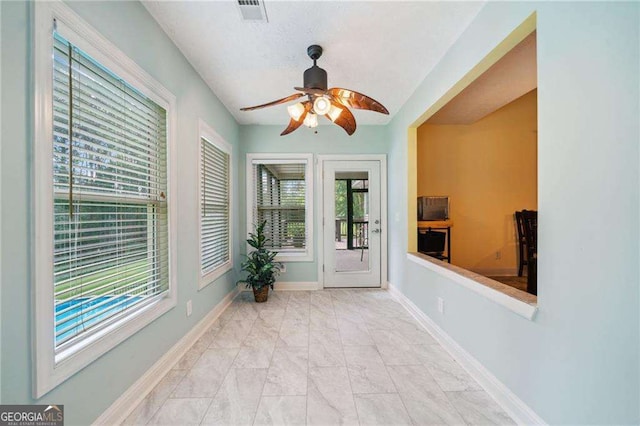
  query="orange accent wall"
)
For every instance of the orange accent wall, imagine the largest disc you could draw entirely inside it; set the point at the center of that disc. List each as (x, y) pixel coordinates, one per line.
(489, 170)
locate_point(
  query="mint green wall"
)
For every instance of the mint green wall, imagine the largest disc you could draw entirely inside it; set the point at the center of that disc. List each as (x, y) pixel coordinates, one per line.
(330, 139)
(578, 361)
(128, 25)
(1, 56)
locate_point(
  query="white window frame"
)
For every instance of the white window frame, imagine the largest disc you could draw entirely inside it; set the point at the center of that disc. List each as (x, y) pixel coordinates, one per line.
(51, 369)
(305, 255)
(207, 133)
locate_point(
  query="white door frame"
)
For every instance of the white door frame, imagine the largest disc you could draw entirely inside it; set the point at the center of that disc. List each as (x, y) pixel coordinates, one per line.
(320, 159)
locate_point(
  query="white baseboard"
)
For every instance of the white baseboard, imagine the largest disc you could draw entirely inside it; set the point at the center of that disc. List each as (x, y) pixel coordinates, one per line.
(129, 400)
(301, 285)
(520, 412)
(292, 286)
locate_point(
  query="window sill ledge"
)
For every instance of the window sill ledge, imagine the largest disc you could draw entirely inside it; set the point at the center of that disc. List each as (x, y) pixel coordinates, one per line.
(517, 301)
(293, 257)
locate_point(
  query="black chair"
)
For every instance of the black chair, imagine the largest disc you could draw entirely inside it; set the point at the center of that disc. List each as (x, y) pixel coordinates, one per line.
(530, 228)
(522, 244)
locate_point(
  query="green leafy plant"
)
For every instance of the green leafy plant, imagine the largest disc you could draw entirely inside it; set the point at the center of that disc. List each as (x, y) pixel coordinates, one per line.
(259, 265)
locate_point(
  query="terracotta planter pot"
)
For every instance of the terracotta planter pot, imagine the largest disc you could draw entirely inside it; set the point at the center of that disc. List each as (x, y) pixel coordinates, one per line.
(261, 294)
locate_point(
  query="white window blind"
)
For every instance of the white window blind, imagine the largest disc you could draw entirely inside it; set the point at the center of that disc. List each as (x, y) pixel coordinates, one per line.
(110, 209)
(214, 207)
(280, 200)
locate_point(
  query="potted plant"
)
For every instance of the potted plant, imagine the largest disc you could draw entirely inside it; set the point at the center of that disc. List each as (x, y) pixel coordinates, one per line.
(259, 265)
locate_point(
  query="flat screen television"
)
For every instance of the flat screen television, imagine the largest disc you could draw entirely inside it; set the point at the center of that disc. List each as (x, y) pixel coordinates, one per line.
(433, 208)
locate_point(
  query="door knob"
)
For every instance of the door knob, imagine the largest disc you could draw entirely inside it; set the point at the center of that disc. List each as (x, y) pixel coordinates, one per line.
(375, 231)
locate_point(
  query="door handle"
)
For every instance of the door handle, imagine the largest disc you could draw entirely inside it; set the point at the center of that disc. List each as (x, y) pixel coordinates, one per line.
(375, 231)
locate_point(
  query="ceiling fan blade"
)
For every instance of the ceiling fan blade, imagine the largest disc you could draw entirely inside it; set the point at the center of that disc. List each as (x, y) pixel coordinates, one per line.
(317, 92)
(293, 124)
(357, 100)
(346, 120)
(279, 101)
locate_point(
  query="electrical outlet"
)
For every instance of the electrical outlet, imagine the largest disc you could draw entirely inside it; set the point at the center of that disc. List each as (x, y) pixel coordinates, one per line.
(283, 268)
(189, 308)
(441, 305)
(498, 255)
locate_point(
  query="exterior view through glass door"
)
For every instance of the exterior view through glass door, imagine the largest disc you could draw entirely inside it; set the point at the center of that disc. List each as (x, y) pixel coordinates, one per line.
(351, 207)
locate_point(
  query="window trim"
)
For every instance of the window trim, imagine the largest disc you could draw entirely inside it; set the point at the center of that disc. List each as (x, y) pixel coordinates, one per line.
(307, 254)
(207, 133)
(47, 371)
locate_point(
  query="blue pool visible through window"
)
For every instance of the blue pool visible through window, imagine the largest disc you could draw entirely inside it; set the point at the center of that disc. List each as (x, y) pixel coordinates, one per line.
(75, 315)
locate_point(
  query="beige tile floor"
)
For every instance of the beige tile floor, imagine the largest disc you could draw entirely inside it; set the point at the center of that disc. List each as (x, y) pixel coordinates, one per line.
(318, 358)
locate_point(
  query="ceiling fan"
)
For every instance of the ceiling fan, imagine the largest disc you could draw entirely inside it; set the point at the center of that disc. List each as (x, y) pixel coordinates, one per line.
(332, 103)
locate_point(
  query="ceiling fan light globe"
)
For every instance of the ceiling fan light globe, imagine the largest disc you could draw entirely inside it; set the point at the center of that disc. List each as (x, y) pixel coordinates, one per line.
(334, 113)
(321, 105)
(295, 111)
(311, 120)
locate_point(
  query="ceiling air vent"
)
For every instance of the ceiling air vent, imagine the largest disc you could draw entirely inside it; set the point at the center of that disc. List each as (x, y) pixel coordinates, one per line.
(252, 10)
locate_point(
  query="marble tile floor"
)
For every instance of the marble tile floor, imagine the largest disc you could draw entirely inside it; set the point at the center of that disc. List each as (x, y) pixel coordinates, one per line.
(329, 357)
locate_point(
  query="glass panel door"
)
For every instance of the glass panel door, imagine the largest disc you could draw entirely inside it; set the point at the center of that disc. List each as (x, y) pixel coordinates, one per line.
(352, 222)
(351, 208)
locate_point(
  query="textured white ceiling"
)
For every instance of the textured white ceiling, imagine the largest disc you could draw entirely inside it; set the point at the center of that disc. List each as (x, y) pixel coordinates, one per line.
(381, 49)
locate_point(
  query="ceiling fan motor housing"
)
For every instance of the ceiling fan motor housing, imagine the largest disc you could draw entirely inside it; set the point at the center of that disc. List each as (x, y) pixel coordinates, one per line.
(315, 78)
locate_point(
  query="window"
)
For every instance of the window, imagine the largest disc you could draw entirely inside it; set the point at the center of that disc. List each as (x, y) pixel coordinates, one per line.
(102, 207)
(280, 189)
(109, 185)
(215, 202)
